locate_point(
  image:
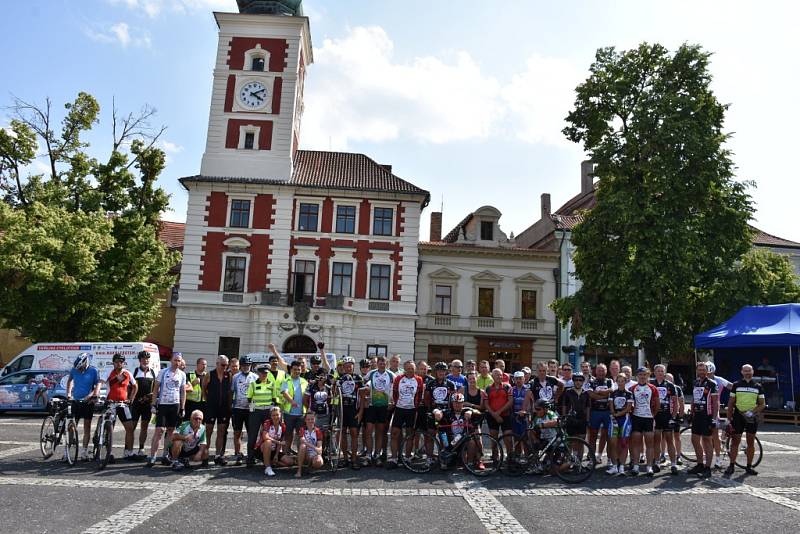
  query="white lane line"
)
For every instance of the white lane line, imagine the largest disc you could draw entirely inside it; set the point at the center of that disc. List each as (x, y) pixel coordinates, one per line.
(494, 516)
(88, 484)
(778, 446)
(145, 508)
(17, 450)
(337, 492)
(17, 443)
(797, 433)
(759, 493)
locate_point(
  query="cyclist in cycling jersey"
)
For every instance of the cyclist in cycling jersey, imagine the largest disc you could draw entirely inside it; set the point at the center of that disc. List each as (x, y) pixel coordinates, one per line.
(407, 391)
(576, 409)
(377, 395)
(349, 384)
(143, 399)
(499, 401)
(119, 380)
(271, 442)
(705, 408)
(600, 418)
(747, 400)
(665, 417)
(545, 422)
(437, 396)
(83, 385)
(218, 393)
(317, 399)
(453, 424)
(310, 449)
(546, 387)
(521, 395)
(621, 405)
(723, 386)
(675, 435)
(240, 383)
(645, 407)
(189, 442)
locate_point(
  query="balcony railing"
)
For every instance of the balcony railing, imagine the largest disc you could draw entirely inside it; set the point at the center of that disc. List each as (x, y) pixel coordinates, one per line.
(442, 320)
(378, 305)
(528, 325)
(486, 323)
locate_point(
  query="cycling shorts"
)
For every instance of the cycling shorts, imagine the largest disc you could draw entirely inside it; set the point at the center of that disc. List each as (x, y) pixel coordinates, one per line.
(621, 427)
(140, 411)
(575, 427)
(404, 418)
(188, 453)
(349, 417)
(240, 417)
(422, 419)
(217, 417)
(741, 424)
(519, 425)
(323, 422)
(505, 424)
(600, 418)
(663, 421)
(167, 415)
(377, 415)
(82, 410)
(702, 424)
(641, 424)
(124, 413)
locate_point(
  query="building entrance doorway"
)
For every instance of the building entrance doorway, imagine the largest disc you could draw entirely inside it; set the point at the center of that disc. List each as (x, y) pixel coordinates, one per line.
(300, 344)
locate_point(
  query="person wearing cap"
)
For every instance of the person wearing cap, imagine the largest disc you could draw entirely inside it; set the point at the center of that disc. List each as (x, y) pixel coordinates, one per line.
(723, 388)
(118, 382)
(142, 401)
(576, 407)
(240, 384)
(521, 395)
(261, 396)
(348, 385)
(452, 426)
(194, 387)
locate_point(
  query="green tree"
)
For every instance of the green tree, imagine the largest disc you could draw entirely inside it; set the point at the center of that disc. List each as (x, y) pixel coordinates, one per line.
(670, 221)
(79, 242)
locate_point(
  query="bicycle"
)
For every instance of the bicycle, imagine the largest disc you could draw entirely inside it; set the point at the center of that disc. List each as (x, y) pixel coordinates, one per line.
(687, 449)
(481, 454)
(564, 455)
(333, 446)
(59, 422)
(104, 433)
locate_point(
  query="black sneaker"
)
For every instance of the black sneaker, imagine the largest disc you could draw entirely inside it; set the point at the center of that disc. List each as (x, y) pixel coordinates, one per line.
(204, 463)
(656, 468)
(696, 469)
(750, 471)
(729, 470)
(150, 462)
(391, 464)
(239, 459)
(705, 473)
(165, 461)
(673, 470)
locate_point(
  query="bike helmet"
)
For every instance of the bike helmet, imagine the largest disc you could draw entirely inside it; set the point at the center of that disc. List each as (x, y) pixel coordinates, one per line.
(316, 360)
(82, 360)
(143, 354)
(440, 366)
(118, 358)
(244, 360)
(364, 363)
(321, 374)
(541, 404)
(711, 367)
(348, 359)
(457, 397)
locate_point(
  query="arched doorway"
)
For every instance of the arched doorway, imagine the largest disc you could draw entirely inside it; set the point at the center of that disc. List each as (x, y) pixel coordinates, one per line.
(299, 344)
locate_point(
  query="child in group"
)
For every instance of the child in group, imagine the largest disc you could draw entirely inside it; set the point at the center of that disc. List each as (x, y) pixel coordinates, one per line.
(544, 427)
(310, 450)
(621, 403)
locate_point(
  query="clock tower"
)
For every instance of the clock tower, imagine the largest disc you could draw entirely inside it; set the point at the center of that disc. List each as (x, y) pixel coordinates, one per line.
(257, 96)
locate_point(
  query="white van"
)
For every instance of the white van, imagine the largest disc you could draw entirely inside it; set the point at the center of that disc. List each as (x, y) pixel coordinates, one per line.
(257, 358)
(59, 356)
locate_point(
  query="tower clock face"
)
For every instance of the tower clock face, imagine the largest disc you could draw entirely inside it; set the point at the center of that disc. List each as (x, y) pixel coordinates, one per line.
(253, 95)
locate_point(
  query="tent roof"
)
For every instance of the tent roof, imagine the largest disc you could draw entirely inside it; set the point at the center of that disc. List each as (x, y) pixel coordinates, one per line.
(755, 326)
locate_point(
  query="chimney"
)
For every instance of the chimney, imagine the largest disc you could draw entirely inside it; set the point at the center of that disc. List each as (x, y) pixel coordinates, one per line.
(545, 205)
(436, 226)
(587, 176)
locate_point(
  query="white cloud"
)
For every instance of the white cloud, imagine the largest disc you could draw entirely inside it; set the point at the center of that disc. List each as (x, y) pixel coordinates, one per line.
(120, 33)
(154, 8)
(356, 91)
(169, 147)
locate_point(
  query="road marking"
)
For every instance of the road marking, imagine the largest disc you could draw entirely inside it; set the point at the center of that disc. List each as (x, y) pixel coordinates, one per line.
(777, 445)
(337, 492)
(759, 493)
(491, 513)
(17, 450)
(17, 443)
(89, 484)
(145, 508)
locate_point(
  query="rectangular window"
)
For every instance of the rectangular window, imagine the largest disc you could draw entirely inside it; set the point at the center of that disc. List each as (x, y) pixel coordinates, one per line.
(528, 304)
(229, 346)
(309, 217)
(485, 302)
(444, 295)
(382, 221)
(249, 140)
(234, 274)
(379, 282)
(487, 230)
(377, 350)
(240, 214)
(258, 64)
(304, 281)
(342, 279)
(346, 219)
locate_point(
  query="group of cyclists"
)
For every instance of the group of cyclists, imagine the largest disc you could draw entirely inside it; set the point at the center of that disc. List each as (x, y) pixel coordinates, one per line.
(288, 410)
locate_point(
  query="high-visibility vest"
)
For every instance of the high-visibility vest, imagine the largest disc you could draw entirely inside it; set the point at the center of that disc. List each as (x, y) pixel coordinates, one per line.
(287, 405)
(261, 393)
(197, 391)
(275, 384)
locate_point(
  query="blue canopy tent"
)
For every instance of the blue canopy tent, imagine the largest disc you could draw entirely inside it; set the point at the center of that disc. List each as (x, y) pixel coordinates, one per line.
(758, 331)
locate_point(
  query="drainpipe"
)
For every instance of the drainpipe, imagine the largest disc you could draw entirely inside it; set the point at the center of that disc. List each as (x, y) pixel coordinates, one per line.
(559, 279)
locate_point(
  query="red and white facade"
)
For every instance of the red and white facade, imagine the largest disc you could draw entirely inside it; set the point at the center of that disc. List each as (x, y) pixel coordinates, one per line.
(269, 225)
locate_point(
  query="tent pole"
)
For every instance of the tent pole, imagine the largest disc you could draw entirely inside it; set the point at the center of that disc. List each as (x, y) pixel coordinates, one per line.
(791, 374)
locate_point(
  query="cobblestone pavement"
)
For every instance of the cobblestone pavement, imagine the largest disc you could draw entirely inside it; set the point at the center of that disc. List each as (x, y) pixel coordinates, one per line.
(48, 496)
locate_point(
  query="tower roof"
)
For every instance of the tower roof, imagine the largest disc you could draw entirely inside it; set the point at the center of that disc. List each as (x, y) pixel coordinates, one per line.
(271, 7)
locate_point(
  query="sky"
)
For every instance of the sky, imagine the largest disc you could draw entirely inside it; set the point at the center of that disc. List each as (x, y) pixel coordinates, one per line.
(465, 99)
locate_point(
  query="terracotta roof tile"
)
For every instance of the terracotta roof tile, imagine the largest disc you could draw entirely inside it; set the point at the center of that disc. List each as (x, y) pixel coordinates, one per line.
(566, 222)
(171, 234)
(452, 235)
(763, 239)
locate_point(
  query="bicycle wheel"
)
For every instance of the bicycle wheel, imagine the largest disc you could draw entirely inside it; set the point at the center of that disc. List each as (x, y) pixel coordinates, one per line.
(482, 454)
(741, 456)
(516, 463)
(687, 449)
(571, 463)
(72, 442)
(104, 450)
(334, 449)
(413, 453)
(47, 437)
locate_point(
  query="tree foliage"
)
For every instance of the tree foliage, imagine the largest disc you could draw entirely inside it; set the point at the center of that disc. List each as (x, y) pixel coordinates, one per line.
(659, 254)
(79, 242)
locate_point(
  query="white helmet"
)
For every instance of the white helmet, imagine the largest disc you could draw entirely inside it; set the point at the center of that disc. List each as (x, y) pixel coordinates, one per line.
(711, 367)
(82, 360)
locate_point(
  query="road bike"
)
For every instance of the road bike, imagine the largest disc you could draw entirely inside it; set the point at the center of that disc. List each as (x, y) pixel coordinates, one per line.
(563, 455)
(687, 449)
(55, 426)
(481, 454)
(332, 453)
(104, 434)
